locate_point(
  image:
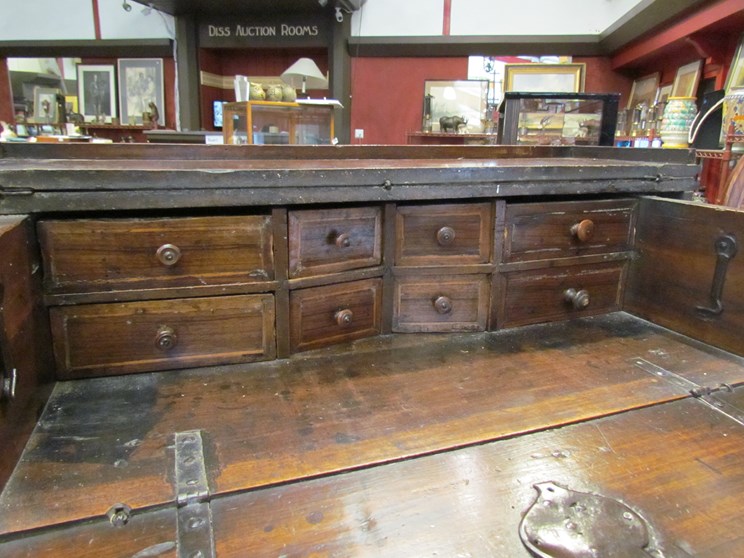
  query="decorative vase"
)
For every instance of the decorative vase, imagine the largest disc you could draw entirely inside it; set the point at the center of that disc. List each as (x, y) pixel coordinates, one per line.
(733, 113)
(675, 124)
(273, 93)
(256, 92)
(289, 94)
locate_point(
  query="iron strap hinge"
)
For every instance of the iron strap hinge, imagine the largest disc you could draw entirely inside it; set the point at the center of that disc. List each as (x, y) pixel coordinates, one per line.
(701, 393)
(195, 538)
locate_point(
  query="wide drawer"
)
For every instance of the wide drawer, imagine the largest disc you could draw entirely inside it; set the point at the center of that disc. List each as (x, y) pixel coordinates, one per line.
(437, 303)
(443, 234)
(537, 231)
(321, 316)
(87, 255)
(323, 241)
(107, 339)
(544, 295)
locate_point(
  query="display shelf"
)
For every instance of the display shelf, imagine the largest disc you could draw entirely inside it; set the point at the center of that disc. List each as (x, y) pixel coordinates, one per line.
(278, 123)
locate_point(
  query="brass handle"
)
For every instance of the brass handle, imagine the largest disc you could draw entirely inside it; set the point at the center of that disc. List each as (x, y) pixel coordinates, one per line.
(578, 299)
(443, 304)
(168, 254)
(583, 230)
(343, 240)
(166, 338)
(344, 318)
(445, 236)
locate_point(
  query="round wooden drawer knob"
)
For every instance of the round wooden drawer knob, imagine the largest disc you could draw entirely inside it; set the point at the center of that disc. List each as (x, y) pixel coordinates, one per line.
(578, 299)
(166, 338)
(445, 236)
(343, 240)
(344, 318)
(583, 230)
(168, 254)
(443, 305)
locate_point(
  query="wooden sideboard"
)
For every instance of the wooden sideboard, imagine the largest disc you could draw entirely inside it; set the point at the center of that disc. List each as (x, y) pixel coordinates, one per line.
(315, 311)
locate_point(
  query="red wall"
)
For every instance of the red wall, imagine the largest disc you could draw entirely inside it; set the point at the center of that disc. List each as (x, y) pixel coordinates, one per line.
(6, 95)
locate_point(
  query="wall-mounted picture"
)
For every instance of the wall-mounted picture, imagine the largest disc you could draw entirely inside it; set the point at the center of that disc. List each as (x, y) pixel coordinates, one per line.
(45, 105)
(735, 78)
(544, 78)
(96, 92)
(687, 79)
(644, 90)
(457, 106)
(141, 90)
(663, 94)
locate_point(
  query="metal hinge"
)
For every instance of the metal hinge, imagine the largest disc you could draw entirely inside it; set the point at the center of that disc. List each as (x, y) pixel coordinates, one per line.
(705, 394)
(195, 538)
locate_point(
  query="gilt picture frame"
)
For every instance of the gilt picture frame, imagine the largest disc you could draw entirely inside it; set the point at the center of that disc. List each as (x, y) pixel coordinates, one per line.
(544, 78)
(735, 77)
(687, 79)
(467, 98)
(96, 85)
(140, 83)
(644, 90)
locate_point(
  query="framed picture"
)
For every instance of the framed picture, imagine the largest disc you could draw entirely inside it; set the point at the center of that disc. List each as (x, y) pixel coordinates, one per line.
(96, 92)
(644, 90)
(140, 84)
(735, 78)
(544, 78)
(663, 94)
(687, 79)
(466, 98)
(45, 105)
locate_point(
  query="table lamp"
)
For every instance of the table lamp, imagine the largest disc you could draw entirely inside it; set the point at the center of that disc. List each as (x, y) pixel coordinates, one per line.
(305, 73)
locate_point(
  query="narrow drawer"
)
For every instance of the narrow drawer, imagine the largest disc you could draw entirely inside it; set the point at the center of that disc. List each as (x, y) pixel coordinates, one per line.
(108, 339)
(323, 241)
(98, 255)
(444, 234)
(545, 295)
(453, 303)
(321, 316)
(537, 231)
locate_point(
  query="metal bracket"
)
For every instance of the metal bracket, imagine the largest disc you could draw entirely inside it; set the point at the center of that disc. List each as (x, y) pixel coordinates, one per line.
(703, 394)
(195, 538)
(726, 249)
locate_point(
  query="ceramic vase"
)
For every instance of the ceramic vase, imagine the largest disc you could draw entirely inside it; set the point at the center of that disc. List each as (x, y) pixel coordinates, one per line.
(733, 112)
(675, 124)
(289, 94)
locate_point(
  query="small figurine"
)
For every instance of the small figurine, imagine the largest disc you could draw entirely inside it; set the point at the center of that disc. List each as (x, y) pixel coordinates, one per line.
(452, 123)
(153, 114)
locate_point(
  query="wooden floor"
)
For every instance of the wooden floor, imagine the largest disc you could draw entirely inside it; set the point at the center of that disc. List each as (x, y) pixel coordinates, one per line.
(407, 445)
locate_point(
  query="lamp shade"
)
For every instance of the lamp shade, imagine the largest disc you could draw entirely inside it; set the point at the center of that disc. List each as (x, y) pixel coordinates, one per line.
(305, 74)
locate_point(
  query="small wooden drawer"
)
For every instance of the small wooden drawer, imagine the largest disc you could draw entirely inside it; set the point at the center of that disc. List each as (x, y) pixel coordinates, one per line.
(323, 241)
(88, 255)
(538, 231)
(108, 339)
(545, 295)
(445, 234)
(321, 316)
(436, 303)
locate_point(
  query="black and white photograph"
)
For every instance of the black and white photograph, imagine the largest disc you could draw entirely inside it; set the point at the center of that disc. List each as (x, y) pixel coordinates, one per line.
(97, 92)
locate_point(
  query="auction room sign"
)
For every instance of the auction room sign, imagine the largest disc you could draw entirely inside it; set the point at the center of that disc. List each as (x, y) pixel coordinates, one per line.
(249, 31)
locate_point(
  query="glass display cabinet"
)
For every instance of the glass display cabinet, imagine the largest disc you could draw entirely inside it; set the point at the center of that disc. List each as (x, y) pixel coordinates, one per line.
(268, 122)
(558, 118)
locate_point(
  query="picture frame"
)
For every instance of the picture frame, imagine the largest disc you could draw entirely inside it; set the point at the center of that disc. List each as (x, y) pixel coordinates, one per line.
(140, 83)
(687, 79)
(644, 90)
(735, 77)
(663, 93)
(544, 78)
(466, 97)
(96, 85)
(45, 105)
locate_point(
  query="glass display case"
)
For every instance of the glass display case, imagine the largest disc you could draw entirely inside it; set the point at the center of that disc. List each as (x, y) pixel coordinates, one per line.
(267, 122)
(558, 118)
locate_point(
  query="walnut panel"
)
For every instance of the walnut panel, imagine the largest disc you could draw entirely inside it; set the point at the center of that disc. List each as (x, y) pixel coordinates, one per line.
(88, 255)
(444, 234)
(325, 241)
(107, 339)
(321, 316)
(541, 295)
(452, 303)
(536, 231)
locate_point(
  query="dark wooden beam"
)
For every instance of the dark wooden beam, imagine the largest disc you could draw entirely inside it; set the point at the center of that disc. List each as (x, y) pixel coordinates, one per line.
(114, 48)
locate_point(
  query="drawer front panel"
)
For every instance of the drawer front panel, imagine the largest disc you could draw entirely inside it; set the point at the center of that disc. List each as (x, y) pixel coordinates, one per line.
(545, 295)
(453, 303)
(563, 229)
(96, 255)
(321, 316)
(107, 339)
(446, 234)
(332, 240)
